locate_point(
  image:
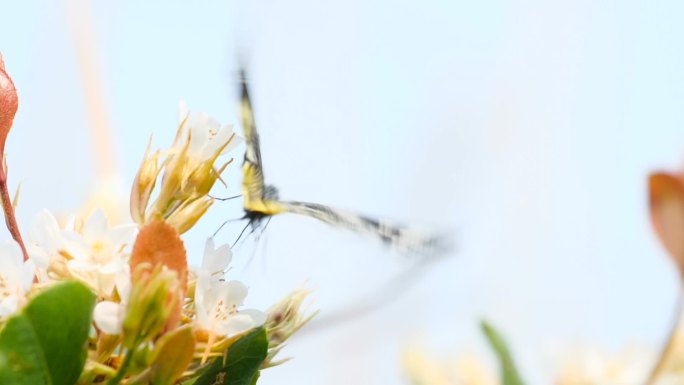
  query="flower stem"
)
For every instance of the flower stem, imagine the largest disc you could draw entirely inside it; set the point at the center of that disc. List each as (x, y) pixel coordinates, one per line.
(667, 349)
(122, 369)
(10, 218)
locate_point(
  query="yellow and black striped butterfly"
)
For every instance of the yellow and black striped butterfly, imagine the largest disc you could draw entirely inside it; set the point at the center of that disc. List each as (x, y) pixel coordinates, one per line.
(260, 201)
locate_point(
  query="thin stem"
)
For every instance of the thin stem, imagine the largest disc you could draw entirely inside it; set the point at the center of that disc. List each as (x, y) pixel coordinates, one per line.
(667, 349)
(10, 218)
(122, 369)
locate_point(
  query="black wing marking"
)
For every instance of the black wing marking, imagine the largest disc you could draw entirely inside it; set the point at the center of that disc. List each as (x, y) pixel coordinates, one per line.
(403, 239)
(253, 182)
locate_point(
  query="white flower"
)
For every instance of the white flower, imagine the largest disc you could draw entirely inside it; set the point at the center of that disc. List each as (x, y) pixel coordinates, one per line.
(109, 315)
(99, 253)
(46, 239)
(217, 311)
(214, 263)
(218, 301)
(16, 277)
(208, 139)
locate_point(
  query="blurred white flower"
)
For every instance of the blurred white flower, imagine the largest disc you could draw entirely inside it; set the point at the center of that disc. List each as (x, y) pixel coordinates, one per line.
(46, 239)
(593, 367)
(423, 368)
(16, 277)
(218, 301)
(99, 253)
(109, 315)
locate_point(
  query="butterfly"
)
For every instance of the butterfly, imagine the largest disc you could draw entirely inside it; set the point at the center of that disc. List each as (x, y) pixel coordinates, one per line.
(261, 201)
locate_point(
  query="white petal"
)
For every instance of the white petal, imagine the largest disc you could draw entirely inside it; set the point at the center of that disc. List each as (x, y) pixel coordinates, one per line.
(75, 245)
(216, 260)
(122, 235)
(234, 142)
(108, 317)
(28, 274)
(122, 282)
(208, 249)
(115, 266)
(216, 141)
(105, 283)
(38, 255)
(46, 232)
(11, 252)
(11, 263)
(235, 325)
(81, 266)
(202, 312)
(235, 293)
(8, 305)
(258, 316)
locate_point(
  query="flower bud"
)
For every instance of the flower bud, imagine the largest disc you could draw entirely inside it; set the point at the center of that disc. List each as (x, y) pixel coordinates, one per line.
(283, 320)
(144, 183)
(152, 303)
(189, 213)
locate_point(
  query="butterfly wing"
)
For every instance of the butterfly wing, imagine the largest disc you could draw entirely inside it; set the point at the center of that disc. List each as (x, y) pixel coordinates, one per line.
(253, 176)
(403, 239)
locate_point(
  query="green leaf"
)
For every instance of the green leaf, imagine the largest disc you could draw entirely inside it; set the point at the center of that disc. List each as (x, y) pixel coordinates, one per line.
(172, 355)
(46, 342)
(243, 359)
(21, 363)
(509, 373)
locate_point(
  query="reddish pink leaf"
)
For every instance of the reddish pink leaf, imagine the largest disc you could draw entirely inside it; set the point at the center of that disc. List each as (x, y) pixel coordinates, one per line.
(666, 196)
(8, 105)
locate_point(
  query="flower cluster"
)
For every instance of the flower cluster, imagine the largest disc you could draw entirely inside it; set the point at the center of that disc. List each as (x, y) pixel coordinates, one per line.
(124, 291)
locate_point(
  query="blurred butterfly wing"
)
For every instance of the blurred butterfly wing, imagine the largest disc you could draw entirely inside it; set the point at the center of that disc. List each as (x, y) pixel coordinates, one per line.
(253, 176)
(400, 238)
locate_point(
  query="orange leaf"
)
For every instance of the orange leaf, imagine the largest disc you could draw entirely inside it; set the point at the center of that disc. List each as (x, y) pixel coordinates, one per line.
(157, 244)
(666, 196)
(8, 105)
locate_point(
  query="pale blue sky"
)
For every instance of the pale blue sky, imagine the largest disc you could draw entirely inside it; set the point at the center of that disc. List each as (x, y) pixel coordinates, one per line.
(528, 127)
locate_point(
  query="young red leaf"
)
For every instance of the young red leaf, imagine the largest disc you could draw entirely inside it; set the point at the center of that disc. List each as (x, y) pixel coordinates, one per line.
(8, 105)
(666, 197)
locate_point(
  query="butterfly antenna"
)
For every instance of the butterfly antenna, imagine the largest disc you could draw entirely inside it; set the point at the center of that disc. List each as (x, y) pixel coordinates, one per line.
(224, 199)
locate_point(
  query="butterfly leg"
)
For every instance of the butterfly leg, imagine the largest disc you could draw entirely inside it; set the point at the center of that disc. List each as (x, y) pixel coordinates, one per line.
(241, 232)
(225, 223)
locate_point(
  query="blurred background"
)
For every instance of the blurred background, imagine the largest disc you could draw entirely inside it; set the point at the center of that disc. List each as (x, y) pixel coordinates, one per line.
(527, 128)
